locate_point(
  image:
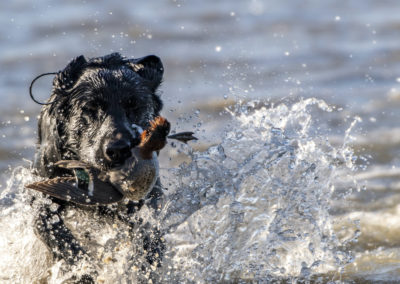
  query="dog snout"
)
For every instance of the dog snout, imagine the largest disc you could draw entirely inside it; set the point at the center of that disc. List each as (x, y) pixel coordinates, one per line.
(136, 137)
(118, 151)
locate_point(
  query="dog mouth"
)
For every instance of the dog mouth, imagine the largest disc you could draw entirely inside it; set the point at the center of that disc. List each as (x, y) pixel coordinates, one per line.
(105, 165)
(112, 166)
(118, 165)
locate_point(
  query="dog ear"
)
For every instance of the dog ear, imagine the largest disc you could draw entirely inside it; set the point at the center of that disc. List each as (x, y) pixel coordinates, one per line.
(106, 61)
(67, 77)
(49, 143)
(150, 68)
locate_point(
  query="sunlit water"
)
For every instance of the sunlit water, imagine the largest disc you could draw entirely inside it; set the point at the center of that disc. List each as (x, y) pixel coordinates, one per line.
(216, 53)
(254, 207)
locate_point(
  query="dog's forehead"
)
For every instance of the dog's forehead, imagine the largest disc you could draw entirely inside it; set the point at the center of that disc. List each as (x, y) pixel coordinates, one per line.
(111, 84)
(108, 76)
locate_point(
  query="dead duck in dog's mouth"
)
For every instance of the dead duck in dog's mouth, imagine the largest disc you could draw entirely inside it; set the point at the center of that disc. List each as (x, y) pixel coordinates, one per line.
(133, 180)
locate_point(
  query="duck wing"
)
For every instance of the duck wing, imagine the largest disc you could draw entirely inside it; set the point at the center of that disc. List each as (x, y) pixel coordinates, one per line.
(98, 192)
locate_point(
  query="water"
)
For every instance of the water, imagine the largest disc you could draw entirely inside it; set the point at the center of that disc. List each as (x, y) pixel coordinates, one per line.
(300, 189)
(263, 214)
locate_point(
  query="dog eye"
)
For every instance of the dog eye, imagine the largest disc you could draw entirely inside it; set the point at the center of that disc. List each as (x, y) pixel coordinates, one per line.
(130, 104)
(91, 110)
(93, 106)
(132, 108)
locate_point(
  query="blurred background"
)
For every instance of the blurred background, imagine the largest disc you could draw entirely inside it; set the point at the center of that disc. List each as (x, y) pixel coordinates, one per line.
(217, 53)
(214, 52)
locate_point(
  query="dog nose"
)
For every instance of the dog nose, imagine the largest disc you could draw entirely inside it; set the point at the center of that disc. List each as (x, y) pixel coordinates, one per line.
(118, 151)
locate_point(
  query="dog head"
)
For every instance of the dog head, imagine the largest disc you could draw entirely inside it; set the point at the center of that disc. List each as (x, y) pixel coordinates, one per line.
(100, 106)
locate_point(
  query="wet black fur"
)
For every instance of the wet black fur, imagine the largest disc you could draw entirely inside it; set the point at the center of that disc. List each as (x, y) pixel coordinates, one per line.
(96, 102)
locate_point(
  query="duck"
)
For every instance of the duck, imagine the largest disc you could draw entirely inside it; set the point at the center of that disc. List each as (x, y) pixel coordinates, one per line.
(137, 177)
(133, 180)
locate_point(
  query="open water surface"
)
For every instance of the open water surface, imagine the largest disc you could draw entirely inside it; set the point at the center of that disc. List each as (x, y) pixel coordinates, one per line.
(296, 104)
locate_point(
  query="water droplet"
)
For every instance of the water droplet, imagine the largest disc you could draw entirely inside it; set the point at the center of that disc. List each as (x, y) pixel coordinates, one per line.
(311, 247)
(55, 219)
(54, 207)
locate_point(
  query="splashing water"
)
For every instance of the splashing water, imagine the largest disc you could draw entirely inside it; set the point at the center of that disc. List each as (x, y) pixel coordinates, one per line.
(254, 207)
(257, 205)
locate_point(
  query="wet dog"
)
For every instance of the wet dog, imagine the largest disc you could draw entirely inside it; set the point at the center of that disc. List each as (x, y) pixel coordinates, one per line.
(95, 115)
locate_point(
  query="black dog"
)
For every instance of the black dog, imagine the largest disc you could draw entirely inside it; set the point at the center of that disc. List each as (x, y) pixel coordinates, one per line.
(93, 116)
